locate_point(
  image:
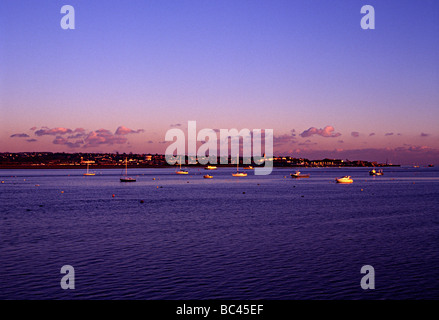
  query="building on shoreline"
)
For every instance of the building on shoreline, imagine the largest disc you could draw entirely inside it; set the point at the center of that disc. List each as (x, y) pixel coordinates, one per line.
(111, 160)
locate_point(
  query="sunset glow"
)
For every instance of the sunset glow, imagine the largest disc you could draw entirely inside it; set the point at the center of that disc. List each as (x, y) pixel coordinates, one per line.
(127, 74)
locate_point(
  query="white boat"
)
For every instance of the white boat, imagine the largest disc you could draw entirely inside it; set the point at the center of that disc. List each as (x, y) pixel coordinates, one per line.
(89, 173)
(125, 178)
(345, 179)
(297, 175)
(210, 168)
(181, 171)
(238, 174)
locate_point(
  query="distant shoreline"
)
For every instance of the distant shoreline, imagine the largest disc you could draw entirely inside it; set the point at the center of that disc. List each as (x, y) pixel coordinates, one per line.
(98, 167)
(61, 160)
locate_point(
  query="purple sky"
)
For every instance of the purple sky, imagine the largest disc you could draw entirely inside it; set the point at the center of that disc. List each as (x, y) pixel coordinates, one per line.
(132, 70)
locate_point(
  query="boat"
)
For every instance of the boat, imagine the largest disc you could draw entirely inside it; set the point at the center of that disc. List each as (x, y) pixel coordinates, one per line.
(210, 168)
(345, 179)
(206, 176)
(181, 171)
(238, 174)
(297, 175)
(89, 173)
(374, 172)
(128, 179)
(248, 168)
(125, 178)
(431, 165)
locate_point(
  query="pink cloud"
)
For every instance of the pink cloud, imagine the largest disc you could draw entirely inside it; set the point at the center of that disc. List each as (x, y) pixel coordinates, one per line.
(63, 141)
(19, 135)
(282, 139)
(59, 140)
(327, 132)
(78, 135)
(355, 134)
(103, 131)
(80, 138)
(54, 131)
(124, 130)
(103, 137)
(389, 134)
(415, 149)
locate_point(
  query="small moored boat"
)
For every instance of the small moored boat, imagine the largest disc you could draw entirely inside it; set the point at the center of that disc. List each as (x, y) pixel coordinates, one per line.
(88, 173)
(297, 175)
(125, 178)
(207, 176)
(238, 174)
(210, 168)
(374, 172)
(345, 179)
(181, 171)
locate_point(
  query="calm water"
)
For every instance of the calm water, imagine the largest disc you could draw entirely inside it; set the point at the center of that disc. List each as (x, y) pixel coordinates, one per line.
(265, 237)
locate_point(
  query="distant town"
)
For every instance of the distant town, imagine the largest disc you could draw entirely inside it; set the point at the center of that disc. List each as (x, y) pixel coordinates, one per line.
(50, 160)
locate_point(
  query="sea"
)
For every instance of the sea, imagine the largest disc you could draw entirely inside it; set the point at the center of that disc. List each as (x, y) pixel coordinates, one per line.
(172, 237)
